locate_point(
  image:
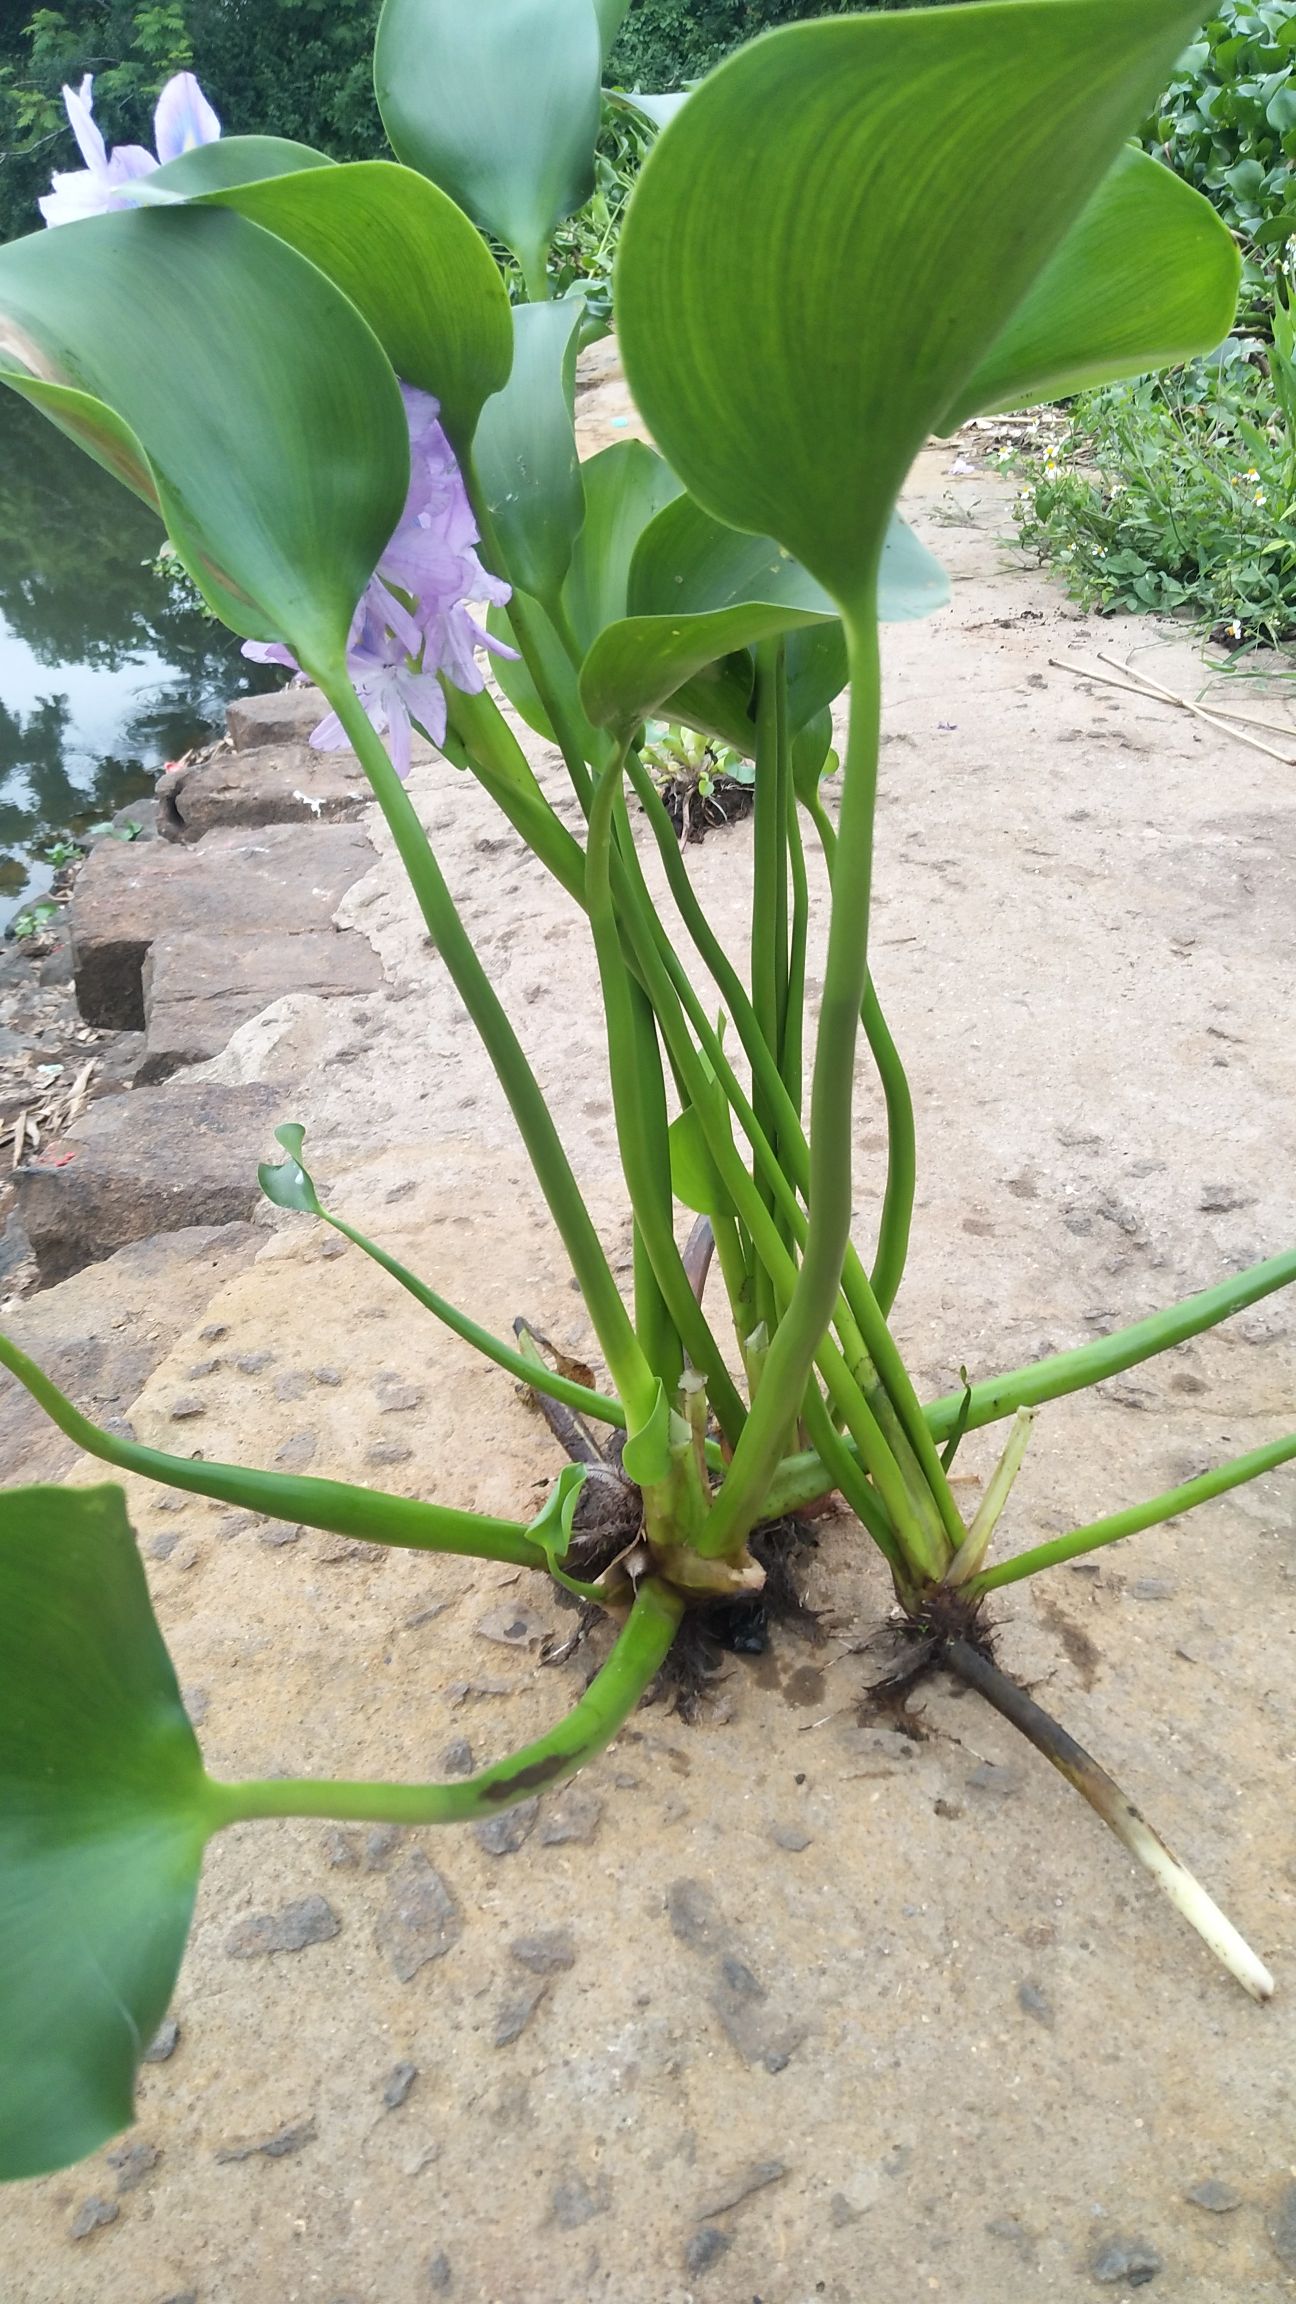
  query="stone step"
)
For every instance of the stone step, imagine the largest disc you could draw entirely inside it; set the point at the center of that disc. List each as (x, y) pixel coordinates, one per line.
(156, 1160)
(283, 880)
(276, 784)
(285, 717)
(198, 989)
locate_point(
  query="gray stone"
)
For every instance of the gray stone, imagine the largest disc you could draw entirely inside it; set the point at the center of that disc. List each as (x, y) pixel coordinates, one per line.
(546, 1953)
(285, 716)
(457, 1759)
(1214, 2195)
(330, 1376)
(286, 880)
(183, 1409)
(292, 1385)
(380, 1846)
(133, 1166)
(199, 988)
(280, 2146)
(512, 1626)
(793, 1837)
(1034, 2002)
(398, 2084)
(705, 2248)
(277, 783)
(1128, 2260)
(297, 1451)
(420, 1920)
(277, 1533)
(91, 2216)
(252, 1363)
(691, 1910)
(395, 1396)
(517, 2011)
(164, 2042)
(1282, 2228)
(575, 2201)
(439, 2276)
(311, 1920)
(573, 1818)
(504, 1834)
(132, 2163)
(388, 1452)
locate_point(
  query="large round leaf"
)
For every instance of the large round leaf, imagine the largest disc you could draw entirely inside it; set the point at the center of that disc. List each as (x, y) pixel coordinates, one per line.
(411, 262)
(828, 238)
(268, 415)
(498, 102)
(230, 160)
(1147, 276)
(104, 1809)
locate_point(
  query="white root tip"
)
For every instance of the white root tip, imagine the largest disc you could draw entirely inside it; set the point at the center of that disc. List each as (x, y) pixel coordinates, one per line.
(1199, 1909)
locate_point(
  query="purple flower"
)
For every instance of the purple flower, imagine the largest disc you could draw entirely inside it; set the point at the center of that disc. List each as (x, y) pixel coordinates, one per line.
(414, 622)
(183, 119)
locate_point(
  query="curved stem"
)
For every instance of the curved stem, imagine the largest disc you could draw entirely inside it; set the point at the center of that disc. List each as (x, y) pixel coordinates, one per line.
(1088, 1364)
(333, 1505)
(1234, 1474)
(631, 1375)
(611, 1697)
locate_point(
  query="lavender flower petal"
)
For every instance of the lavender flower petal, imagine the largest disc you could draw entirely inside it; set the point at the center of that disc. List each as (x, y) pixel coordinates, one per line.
(183, 118)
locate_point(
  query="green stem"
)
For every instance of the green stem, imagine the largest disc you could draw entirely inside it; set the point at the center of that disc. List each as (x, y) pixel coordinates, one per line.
(813, 1300)
(639, 1102)
(501, 767)
(769, 919)
(329, 1504)
(1138, 1516)
(1088, 1364)
(611, 1697)
(631, 1376)
(898, 1197)
(791, 1051)
(535, 1374)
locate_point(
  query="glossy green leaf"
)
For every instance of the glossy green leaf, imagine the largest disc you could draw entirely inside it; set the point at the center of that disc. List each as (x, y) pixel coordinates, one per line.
(699, 592)
(289, 1183)
(498, 102)
(1147, 276)
(104, 1809)
(611, 15)
(911, 580)
(625, 486)
(231, 160)
(524, 454)
(828, 238)
(94, 428)
(410, 262)
(646, 1456)
(813, 756)
(695, 1179)
(268, 414)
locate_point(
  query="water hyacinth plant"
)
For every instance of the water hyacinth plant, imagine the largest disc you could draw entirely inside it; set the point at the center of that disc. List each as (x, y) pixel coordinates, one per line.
(854, 233)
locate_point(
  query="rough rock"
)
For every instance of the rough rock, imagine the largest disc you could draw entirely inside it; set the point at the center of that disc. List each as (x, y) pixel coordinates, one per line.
(420, 1919)
(398, 2084)
(504, 1834)
(135, 1165)
(91, 2216)
(517, 2010)
(1128, 2261)
(285, 880)
(275, 784)
(546, 1953)
(198, 989)
(286, 716)
(311, 1920)
(280, 2146)
(101, 1334)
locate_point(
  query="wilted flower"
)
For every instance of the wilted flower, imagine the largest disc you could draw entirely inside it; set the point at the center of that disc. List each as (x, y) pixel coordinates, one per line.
(415, 619)
(183, 119)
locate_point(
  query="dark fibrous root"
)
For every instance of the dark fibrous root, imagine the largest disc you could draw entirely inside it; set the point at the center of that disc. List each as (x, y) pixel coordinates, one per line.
(741, 1628)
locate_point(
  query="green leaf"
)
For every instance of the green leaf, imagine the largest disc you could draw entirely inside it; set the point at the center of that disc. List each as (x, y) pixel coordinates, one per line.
(268, 415)
(611, 16)
(524, 454)
(1147, 276)
(410, 262)
(93, 427)
(104, 1809)
(624, 487)
(828, 238)
(813, 757)
(231, 160)
(498, 102)
(699, 592)
(646, 1456)
(911, 580)
(289, 1183)
(695, 1179)
(552, 1527)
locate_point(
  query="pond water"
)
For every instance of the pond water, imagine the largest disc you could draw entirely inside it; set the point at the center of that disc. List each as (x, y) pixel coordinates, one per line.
(105, 672)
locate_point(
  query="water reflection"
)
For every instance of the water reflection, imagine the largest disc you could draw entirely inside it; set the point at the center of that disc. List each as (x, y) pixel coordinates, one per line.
(105, 673)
